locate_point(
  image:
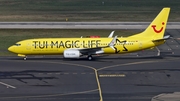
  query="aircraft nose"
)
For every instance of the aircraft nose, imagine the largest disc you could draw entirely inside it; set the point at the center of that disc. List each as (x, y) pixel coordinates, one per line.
(11, 49)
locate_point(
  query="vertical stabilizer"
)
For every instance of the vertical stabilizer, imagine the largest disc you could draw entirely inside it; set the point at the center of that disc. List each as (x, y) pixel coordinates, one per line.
(157, 27)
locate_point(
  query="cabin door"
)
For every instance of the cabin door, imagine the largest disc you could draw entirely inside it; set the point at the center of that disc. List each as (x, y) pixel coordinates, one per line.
(28, 47)
(140, 45)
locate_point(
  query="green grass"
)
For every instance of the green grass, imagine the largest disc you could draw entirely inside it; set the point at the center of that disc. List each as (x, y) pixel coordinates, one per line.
(10, 37)
(85, 10)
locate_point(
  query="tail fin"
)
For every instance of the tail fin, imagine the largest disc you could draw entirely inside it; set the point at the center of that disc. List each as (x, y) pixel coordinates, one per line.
(157, 28)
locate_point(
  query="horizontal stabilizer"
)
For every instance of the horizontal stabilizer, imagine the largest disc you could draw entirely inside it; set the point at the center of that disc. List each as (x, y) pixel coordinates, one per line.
(164, 38)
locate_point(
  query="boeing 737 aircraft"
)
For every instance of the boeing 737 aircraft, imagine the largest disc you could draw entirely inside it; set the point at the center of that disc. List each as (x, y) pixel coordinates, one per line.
(78, 47)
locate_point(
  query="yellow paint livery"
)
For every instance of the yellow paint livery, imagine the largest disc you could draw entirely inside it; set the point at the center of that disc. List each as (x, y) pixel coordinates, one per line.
(77, 47)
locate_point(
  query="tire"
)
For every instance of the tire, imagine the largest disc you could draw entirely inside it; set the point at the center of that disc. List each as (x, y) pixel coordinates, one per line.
(90, 58)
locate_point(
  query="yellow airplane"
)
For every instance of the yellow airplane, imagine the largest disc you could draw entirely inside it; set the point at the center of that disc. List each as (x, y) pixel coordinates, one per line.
(78, 47)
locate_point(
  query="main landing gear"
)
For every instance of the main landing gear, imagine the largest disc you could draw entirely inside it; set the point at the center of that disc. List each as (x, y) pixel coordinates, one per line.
(90, 57)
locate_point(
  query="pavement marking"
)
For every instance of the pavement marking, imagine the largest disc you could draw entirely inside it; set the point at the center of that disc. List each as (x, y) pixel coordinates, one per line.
(112, 75)
(90, 67)
(127, 64)
(70, 73)
(7, 85)
(50, 95)
(71, 64)
(85, 66)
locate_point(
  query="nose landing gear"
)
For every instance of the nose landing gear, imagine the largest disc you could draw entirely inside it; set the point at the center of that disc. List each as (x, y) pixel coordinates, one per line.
(25, 58)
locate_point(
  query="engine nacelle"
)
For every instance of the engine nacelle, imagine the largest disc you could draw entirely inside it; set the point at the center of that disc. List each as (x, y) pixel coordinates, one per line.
(71, 53)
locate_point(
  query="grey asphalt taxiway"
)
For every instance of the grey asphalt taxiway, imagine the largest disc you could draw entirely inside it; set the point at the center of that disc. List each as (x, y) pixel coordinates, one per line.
(140, 76)
(117, 79)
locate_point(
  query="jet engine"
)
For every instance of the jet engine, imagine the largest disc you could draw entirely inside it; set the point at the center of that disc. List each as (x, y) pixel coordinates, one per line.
(72, 53)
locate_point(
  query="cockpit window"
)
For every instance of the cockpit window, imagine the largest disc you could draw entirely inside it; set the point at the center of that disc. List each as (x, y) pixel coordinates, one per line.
(18, 44)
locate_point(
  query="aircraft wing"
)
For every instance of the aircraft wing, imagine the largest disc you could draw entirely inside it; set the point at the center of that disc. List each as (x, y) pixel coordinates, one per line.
(89, 51)
(98, 50)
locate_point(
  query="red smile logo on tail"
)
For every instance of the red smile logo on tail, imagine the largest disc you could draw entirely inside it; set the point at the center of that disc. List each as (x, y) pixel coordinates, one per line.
(157, 31)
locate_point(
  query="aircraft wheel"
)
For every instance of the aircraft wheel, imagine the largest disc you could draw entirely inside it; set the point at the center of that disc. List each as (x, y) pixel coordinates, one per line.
(25, 58)
(90, 57)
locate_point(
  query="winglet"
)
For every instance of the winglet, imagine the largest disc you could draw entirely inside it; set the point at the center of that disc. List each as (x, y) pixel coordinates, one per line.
(111, 34)
(112, 43)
